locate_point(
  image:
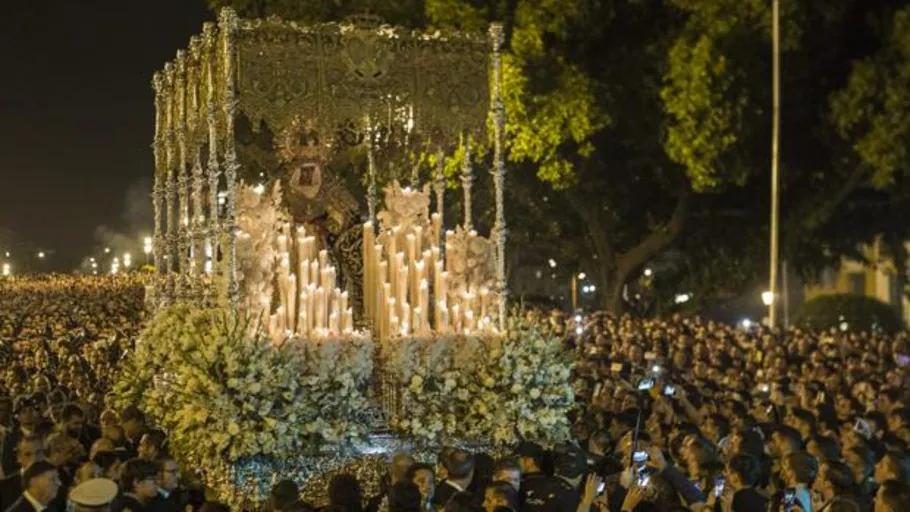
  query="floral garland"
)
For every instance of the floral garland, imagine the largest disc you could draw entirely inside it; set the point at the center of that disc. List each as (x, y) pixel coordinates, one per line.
(500, 389)
(226, 393)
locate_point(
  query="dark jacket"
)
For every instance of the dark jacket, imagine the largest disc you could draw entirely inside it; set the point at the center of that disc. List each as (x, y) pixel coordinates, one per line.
(8, 458)
(548, 494)
(124, 503)
(10, 490)
(21, 505)
(444, 492)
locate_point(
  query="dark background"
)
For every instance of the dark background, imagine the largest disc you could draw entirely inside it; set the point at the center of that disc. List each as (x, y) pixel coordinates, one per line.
(76, 122)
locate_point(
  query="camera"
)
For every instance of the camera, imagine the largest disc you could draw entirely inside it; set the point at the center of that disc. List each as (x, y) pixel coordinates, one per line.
(640, 456)
(669, 390)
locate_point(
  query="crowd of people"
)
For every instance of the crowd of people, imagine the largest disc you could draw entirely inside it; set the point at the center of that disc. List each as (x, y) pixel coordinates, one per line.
(672, 414)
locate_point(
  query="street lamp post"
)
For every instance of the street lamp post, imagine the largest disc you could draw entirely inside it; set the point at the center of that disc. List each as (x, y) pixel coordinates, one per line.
(775, 155)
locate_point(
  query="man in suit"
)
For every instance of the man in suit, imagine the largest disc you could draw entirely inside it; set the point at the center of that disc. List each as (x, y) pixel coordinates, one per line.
(42, 483)
(28, 417)
(133, 422)
(29, 451)
(459, 466)
(169, 498)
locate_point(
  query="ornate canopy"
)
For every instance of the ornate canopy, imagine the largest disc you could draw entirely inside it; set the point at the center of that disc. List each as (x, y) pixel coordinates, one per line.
(254, 95)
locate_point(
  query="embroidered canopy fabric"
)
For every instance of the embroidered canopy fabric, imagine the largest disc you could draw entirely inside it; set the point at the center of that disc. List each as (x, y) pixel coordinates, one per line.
(254, 97)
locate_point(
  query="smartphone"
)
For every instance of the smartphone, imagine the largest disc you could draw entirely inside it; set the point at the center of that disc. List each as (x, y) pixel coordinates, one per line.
(601, 487)
(650, 356)
(640, 456)
(790, 500)
(597, 389)
(764, 388)
(862, 428)
(643, 480)
(902, 359)
(645, 384)
(669, 390)
(616, 367)
(719, 483)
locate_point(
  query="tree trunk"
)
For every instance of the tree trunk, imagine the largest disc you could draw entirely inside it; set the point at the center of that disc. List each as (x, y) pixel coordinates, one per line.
(614, 270)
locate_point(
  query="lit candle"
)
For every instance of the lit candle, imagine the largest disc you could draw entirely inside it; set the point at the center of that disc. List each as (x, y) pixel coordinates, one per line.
(282, 244)
(418, 240)
(323, 258)
(333, 323)
(320, 308)
(442, 324)
(412, 247)
(368, 269)
(415, 320)
(456, 318)
(348, 325)
(405, 315)
(292, 302)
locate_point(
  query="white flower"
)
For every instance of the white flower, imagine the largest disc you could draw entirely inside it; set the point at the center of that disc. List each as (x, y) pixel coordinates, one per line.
(535, 393)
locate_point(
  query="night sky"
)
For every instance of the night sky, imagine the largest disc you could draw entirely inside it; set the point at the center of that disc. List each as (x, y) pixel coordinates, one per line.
(77, 116)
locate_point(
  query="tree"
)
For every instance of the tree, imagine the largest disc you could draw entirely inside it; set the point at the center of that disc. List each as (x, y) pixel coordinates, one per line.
(872, 114)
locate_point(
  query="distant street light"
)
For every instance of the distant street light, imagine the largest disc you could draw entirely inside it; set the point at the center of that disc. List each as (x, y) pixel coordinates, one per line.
(767, 298)
(41, 255)
(648, 272)
(7, 270)
(582, 276)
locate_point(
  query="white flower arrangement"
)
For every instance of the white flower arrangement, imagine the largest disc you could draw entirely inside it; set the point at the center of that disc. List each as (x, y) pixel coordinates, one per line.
(225, 393)
(499, 389)
(259, 214)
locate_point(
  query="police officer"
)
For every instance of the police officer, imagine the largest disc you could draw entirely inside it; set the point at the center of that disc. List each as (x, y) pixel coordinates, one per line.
(557, 493)
(94, 495)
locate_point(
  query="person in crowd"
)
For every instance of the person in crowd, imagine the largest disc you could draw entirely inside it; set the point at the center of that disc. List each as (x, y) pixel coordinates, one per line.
(459, 467)
(73, 422)
(94, 495)
(834, 484)
(152, 445)
(530, 461)
(168, 480)
(27, 421)
(30, 449)
(797, 472)
(508, 470)
(424, 477)
(134, 427)
(138, 486)
(397, 471)
(560, 492)
(345, 493)
(893, 465)
(404, 496)
(87, 471)
(41, 485)
(893, 496)
(285, 497)
(500, 495)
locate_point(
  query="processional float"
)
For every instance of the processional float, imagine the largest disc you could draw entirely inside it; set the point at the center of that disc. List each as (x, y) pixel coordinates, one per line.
(315, 108)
